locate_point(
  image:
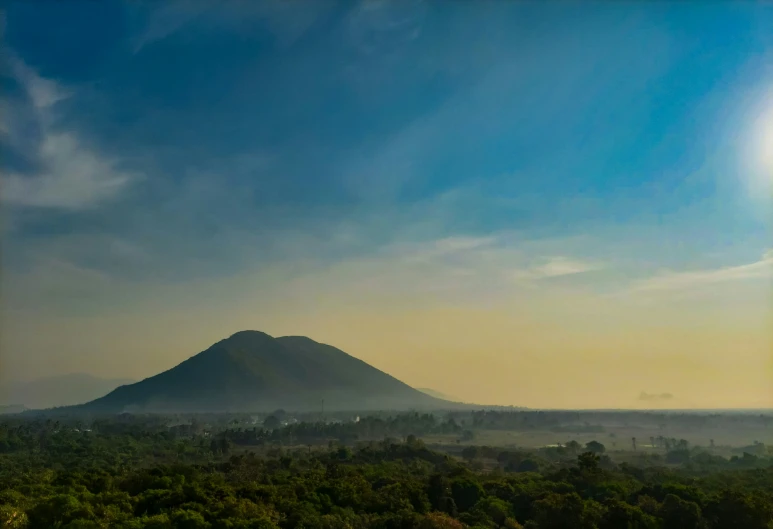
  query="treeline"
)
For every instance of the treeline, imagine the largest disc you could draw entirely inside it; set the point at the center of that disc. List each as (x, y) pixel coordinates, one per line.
(367, 428)
(520, 420)
(126, 478)
(694, 461)
(591, 421)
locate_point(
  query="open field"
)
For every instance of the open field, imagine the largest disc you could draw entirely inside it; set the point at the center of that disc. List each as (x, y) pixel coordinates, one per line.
(615, 437)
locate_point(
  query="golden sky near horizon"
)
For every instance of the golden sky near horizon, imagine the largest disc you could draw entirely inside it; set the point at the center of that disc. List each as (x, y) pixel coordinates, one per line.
(460, 316)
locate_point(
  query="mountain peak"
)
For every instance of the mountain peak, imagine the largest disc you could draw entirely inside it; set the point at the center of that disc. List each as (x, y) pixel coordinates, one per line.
(247, 334)
(247, 338)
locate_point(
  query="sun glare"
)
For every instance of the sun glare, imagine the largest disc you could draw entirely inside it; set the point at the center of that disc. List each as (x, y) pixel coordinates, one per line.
(758, 158)
(766, 144)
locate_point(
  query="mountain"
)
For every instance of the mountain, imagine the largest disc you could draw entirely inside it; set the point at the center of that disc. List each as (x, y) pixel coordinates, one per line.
(63, 390)
(251, 371)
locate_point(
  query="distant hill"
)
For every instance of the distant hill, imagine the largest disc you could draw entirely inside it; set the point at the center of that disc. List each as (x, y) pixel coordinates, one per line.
(8, 409)
(251, 371)
(63, 390)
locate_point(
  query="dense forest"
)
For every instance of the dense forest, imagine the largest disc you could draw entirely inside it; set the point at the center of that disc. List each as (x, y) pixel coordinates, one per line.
(146, 472)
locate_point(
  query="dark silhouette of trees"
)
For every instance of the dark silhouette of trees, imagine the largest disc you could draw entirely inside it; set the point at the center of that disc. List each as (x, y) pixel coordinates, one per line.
(595, 447)
(271, 422)
(680, 514)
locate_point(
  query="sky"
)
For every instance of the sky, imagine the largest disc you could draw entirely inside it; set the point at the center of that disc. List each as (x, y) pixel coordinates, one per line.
(555, 205)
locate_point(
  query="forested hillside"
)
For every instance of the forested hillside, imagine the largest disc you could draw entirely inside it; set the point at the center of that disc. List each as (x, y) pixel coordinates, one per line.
(142, 473)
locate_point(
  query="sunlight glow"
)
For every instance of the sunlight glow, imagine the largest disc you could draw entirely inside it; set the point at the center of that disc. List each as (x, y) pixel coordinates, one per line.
(758, 155)
(766, 143)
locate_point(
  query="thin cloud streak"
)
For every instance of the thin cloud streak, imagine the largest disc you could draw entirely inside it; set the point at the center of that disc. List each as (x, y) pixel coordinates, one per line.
(555, 266)
(286, 21)
(449, 246)
(462, 267)
(564, 266)
(763, 268)
(167, 19)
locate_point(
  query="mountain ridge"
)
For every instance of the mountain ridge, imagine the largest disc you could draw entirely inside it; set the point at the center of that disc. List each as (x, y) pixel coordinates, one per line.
(434, 393)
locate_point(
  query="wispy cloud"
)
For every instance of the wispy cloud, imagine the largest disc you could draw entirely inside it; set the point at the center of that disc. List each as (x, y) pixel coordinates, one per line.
(552, 267)
(286, 20)
(463, 268)
(762, 268)
(563, 266)
(75, 177)
(167, 19)
(43, 93)
(426, 252)
(376, 26)
(71, 175)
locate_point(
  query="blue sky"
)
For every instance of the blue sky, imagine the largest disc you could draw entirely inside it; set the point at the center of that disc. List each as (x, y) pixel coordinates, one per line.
(610, 148)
